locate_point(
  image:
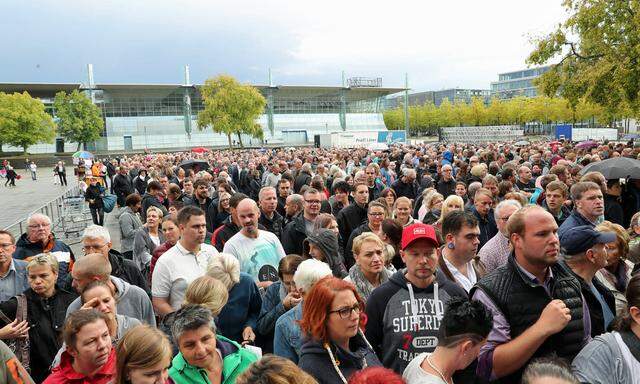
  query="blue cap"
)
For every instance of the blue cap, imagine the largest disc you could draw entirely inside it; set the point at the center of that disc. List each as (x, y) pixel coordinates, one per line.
(579, 239)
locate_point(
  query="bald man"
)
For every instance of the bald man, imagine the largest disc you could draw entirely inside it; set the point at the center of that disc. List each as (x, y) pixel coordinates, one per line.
(258, 251)
(131, 300)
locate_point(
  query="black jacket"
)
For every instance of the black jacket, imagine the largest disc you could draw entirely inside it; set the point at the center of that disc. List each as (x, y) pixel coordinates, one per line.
(350, 218)
(315, 360)
(149, 201)
(613, 211)
(94, 192)
(521, 302)
(595, 309)
(275, 225)
(46, 319)
(488, 227)
(446, 188)
(140, 185)
(301, 180)
(122, 186)
(407, 190)
(126, 270)
(294, 234)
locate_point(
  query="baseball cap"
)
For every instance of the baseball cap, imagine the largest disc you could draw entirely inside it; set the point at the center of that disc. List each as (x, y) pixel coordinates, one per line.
(418, 231)
(581, 238)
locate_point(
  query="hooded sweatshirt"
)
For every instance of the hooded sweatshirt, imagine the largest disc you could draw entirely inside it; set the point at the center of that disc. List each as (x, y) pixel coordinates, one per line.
(327, 241)
(131, 301)
(403, 320)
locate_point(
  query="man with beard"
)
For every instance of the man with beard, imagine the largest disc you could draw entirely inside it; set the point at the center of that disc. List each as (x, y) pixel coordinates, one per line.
(258, 251)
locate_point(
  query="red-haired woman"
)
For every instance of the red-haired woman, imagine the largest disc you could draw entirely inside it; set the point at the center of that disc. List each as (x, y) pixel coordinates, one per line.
(332, 316)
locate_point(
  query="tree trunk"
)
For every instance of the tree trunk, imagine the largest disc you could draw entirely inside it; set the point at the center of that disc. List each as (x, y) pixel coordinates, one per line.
(78, 148)
(229, 138)
(240, 140)
(24, 149)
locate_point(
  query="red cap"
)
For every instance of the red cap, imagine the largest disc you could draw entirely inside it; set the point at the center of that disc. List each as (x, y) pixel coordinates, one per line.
(418, 231)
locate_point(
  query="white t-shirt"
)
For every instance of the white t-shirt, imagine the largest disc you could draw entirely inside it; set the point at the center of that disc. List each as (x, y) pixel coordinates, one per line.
(414, 374)
(258, 257)
(176, 269)
(467, 282)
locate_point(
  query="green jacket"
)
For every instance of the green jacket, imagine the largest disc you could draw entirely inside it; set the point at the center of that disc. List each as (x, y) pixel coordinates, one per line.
(11, 371)
(235, 360)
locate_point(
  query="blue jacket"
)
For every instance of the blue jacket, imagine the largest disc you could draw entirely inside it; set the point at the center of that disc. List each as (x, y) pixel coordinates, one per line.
(272, 308)
(287, 339)
(574, 220)
(242, 309)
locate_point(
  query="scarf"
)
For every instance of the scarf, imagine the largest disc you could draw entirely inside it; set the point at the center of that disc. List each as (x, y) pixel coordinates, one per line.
(363, 286)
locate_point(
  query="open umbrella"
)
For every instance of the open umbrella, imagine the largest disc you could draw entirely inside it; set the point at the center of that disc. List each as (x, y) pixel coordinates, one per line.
(83, 155)
(586, 144)
(521, 143)
(196, 165)
(199, 150)
(615, 168)
(630, 136)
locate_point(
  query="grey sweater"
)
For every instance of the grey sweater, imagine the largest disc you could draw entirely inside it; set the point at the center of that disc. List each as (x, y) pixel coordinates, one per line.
(602, 362)
(129, 224)
(132, 301)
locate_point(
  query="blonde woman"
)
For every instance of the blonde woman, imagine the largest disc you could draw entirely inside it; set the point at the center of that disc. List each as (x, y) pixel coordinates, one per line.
(402, 211)
(239, 316)
(147, 239)
(143, 357)
(616, 275)
(450, 204)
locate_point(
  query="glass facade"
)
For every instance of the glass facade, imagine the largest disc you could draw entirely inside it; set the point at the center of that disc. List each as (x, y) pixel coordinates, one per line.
(153, 116)
(436, 97)
(518, 83)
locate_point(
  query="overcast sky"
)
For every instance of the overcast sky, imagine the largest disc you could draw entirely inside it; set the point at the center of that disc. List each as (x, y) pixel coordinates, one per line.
(440, 44)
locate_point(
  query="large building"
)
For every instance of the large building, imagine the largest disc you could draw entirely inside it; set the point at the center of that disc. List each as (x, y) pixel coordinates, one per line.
(157, 116)
(436, 97)
(517, 83)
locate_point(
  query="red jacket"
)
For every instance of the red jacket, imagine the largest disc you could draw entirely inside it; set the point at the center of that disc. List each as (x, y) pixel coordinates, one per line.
(64, 373)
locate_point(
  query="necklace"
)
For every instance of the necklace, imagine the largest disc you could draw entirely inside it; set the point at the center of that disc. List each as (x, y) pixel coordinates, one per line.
(336, 363)
(436, 369)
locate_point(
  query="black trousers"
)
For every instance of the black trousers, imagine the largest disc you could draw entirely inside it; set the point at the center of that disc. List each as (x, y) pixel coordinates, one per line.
(63, 178)
(97, 214)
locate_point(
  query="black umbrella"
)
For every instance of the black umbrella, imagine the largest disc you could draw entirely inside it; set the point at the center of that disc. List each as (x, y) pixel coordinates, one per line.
(615, 168)
(196, 165)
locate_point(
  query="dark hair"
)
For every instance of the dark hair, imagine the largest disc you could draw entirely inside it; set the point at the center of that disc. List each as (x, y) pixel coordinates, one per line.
(507, 173)
(393, 230)
(177, 204)
(78, 319)
(341, 186)
(387, 191)
(184, 215)
(455, 220)
(633, 300)
(464, 319)
(548, 368)
(236, 198)
(132, 200)
(378, 204)
(200, 182)
(283, 180)
(289, 264)
(154, 186)
(171, 219)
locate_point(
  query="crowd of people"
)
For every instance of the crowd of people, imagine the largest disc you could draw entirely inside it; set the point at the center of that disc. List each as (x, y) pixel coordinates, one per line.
(426, 263)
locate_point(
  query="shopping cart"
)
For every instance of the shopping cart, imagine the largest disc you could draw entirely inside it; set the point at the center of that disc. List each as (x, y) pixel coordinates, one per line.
(74, 218)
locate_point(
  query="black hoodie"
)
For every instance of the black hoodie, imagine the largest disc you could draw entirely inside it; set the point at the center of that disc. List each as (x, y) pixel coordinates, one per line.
(315, 360)
(390, 327)
(327, 241)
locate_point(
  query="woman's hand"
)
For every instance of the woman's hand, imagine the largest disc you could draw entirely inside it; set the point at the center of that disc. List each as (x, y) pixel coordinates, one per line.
(248, 336)
(15, 330)
(90, 304)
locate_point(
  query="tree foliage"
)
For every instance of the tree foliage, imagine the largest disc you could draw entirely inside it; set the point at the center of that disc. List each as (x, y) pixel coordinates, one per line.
(519, 111)
(80, 121)
(598, 48)
(23, 121)
(231, 108)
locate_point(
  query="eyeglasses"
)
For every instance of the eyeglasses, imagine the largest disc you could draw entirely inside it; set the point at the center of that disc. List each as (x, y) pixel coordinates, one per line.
(346, 312)
(505, 219)
(88, 248)
(6, 246)
(376, 214)
(316, 202)
(37, 226)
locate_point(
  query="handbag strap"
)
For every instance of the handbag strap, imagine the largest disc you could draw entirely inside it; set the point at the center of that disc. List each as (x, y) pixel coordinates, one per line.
(21, 311)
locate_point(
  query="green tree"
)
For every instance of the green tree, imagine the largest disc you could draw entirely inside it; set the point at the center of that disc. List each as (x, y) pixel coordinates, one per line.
(475, 113)
(496, 112)
(231, 108)
(598, 46)
(23, 121)
(80, 121)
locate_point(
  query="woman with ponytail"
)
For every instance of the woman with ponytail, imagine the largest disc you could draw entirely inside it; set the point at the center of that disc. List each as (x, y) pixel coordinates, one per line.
(614, 357)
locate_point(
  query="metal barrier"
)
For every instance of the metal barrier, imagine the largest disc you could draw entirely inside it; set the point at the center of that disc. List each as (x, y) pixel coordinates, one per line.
(59, 212)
